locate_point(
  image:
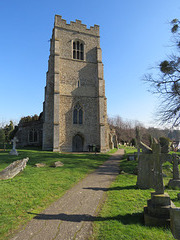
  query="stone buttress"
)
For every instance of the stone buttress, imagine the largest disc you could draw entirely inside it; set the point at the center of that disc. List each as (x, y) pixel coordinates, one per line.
(75, 108)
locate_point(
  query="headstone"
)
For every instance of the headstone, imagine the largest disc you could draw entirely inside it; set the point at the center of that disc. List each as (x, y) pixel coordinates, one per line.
(145, 148)
(175, 182)
(157, 211)
(175, 222)
(13, 151)
(13, 169)
(150, 168)
(146, 177)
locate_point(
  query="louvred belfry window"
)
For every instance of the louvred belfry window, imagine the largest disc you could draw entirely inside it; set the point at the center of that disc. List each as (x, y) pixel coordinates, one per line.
(78, 50)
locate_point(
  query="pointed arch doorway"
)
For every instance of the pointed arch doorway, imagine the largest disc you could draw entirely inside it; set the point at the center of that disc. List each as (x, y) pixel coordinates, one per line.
(77, 143)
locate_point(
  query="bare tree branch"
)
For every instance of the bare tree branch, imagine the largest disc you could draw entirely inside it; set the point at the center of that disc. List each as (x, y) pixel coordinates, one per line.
(166, 84)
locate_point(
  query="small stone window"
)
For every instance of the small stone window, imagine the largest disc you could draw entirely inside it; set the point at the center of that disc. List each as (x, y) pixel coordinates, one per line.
(33, 136)
(77, 114)
(78, 50)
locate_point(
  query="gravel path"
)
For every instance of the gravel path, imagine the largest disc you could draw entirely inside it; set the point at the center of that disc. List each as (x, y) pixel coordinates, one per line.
(72, 215)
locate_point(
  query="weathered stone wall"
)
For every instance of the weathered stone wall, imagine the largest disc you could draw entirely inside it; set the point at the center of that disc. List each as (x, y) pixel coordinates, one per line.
(70, 81)
(24, 130)
(88, 130)
(48, 105)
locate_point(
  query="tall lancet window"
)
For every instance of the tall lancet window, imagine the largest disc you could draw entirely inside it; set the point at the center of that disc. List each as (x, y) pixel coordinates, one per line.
(77, 114)
(78, 50)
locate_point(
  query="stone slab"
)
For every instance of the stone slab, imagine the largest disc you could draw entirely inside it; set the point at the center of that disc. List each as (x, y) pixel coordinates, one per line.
(175, 222)
(13, 169)
(157, 211)
(160, 199)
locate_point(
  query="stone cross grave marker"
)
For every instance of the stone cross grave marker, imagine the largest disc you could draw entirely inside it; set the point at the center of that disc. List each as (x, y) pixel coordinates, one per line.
(175, 182)
(150, 167)
(13, 151)
(157, 211)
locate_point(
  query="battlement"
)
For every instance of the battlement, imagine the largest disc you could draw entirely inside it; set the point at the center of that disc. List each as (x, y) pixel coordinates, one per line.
(76, 26)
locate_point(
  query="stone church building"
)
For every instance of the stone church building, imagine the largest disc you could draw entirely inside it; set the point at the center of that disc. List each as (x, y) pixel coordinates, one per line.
(75, 106)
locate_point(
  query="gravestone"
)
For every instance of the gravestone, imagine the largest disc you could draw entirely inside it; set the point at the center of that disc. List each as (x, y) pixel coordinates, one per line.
(148, 163)
(175, 182)
(145, 148)
(175, 222)
(13, 151)
(13, 169)
(157, 211)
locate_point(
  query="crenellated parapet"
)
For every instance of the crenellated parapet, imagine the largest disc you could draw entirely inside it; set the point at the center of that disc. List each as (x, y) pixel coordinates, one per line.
(75, 78)
(76, 26)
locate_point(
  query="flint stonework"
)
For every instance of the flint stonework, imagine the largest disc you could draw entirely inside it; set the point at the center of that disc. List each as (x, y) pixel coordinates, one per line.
(73, 81)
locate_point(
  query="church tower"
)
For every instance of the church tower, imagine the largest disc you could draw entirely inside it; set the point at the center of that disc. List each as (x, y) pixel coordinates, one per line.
(75, 110)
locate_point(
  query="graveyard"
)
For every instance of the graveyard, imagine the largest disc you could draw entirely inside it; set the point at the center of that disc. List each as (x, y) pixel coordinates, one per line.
(35, 188)
(122, 215)
(73, 162)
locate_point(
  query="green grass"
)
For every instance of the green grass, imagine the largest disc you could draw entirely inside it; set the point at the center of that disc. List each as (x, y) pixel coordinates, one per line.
(128, 149)
(35, 188)
(121, 217)
(113, 150)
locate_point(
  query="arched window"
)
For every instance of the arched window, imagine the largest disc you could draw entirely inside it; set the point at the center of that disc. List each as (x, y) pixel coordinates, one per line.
(80, 116)
(77, 114)
(78, 50)
(33, 136)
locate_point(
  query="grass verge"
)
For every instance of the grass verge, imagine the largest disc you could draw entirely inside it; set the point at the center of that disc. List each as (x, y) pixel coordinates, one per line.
(36, 188)
(121, 216)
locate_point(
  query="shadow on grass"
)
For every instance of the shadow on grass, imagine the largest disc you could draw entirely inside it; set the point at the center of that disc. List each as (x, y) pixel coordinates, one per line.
(112, 188)
(135, 218)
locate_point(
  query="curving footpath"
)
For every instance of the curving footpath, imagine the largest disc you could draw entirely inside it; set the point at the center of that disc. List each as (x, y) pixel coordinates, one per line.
(72, 215)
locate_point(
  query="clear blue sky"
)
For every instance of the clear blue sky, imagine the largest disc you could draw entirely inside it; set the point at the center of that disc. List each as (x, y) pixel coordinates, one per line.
(135, 35)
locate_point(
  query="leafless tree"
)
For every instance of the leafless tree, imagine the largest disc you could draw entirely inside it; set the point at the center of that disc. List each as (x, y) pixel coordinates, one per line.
(167, 83)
